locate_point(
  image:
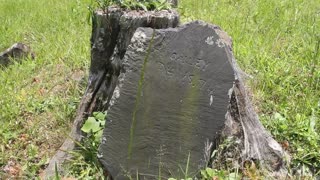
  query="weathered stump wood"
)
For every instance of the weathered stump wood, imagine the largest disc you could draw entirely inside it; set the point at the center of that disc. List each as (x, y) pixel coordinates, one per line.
(112, 30)
(251, 141)
(17, 52)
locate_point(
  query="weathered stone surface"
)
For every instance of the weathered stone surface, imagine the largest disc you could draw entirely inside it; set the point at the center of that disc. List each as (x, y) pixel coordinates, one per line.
(172, 103)
(17, 51)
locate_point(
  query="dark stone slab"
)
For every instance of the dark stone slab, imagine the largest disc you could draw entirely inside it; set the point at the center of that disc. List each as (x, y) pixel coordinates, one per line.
(170, 104)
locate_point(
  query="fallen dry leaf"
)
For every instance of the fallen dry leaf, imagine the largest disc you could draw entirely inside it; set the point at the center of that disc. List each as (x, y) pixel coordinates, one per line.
(23, 137)
(35, 80)
(285, 145)
(12, 168)
(42, 91)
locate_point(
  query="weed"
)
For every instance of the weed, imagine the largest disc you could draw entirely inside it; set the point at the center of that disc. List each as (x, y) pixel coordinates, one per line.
(209, 174)
(93, 126)
(146, 5)
(85, 163)
(56, 173)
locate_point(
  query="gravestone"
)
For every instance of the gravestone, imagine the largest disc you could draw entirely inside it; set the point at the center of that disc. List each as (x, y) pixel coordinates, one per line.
(170, 103)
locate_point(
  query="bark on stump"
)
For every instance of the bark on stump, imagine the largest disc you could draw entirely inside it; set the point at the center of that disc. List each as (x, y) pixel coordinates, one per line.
(112, 31)
(251, 142)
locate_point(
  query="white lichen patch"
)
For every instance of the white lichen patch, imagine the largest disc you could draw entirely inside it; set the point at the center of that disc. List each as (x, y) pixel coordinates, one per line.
(138, 40)
(115, 95)
(209, 40)
(100, 155)
(99, 44)
(220, 43)
(211, 100)
(104, 140)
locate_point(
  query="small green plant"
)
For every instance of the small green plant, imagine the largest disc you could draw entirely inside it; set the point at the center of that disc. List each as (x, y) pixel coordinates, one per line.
(56, 173)
(144, 4)
(85, 163)
(104, 4)
(94, 126)
(209, 174)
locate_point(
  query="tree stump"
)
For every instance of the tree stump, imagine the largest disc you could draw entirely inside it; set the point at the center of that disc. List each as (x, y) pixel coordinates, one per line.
(112, 30)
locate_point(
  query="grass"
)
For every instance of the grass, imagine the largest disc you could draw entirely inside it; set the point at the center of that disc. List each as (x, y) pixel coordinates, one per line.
(134, 4)
(276, 42)
(39, 97)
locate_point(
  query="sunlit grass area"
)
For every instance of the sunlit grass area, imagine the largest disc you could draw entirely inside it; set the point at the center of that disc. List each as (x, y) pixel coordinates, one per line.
(275, 42)
(39, 97)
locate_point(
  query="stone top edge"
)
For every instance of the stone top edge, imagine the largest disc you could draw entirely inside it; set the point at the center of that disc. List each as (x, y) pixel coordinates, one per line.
(225, 38)
(220, 32)
(217, 28)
